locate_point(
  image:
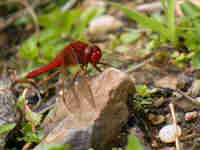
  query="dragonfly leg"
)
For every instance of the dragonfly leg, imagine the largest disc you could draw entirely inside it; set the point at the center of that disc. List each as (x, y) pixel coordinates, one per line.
(97, 67)
(73, 89)
(75, 76)
(31, 82)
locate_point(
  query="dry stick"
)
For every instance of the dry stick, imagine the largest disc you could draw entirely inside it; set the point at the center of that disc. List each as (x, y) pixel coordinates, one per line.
(189, 137)
(48, 78)
(28, 110)
(27, 145)
(138, 66)
(37, 26)
(171, 106)
(188, 97)
(22, 13)
(31, 82)
(10, 20)
(32, 13)
(35, 87)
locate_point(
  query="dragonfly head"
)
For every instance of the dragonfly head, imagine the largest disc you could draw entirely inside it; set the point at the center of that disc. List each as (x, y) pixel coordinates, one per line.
(93, 54)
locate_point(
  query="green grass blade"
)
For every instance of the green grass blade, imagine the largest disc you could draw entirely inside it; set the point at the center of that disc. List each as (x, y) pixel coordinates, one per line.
(190, 10)
(172, 20)
(143, 20)
(5, 128)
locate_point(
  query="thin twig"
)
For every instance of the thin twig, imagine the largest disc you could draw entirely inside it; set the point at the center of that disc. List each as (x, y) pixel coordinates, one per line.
(189, 137)
(51, 76)
(22, 13)
(138, 66)
(31, 11)
(188, 97)
(171, 106)
(26, 146)
(28, 110)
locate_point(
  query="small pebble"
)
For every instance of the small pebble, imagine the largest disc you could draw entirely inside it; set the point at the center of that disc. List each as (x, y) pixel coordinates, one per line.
(156, 119)
(191, 115)
(104, 24)
(167, 133)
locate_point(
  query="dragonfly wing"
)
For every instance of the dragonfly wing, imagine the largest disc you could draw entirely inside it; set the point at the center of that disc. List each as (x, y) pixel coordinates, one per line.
(86, 91)
(84, 87)
(71, 100)
(81, 91)
(71, 106)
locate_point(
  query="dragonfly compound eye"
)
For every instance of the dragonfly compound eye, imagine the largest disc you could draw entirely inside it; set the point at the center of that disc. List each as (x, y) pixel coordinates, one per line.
(96, 55)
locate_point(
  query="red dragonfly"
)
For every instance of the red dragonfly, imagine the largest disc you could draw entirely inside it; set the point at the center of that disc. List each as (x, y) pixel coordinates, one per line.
(75, 53)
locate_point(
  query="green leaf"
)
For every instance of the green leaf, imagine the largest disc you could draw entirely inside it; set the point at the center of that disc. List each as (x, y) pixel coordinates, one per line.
(50, 51)
(27, 128)
(190, 10)
(33, 117)
(30, 136)
(5, 128)
(172, 20)
(192, 40)
(164, 5)
(130, 37)
(52, 147)
(21, 101)
(70, 18)
(85, 19)
(142, 90)
(59, 20)
(29, 49)
(49, 34)
(133, 144)
(51, 20)
(196, 60)
(143, 20)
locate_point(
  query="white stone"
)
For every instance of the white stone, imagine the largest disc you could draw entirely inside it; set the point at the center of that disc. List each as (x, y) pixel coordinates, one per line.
(104, 24)
(167, 133)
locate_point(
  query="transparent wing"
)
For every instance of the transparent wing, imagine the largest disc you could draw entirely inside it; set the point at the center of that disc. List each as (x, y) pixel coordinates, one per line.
(86, 91)
(82, 94)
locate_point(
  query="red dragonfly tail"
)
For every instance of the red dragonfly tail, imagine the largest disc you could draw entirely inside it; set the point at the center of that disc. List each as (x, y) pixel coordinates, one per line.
(44, 69)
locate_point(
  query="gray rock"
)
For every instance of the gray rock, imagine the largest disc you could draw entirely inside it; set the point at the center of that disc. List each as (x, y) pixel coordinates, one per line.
(84, 126)
(8, 112)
